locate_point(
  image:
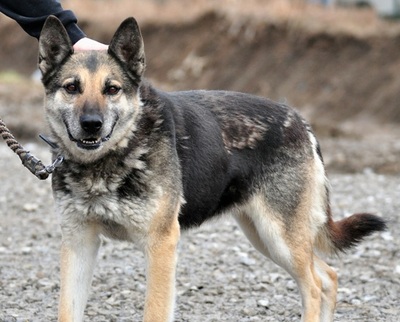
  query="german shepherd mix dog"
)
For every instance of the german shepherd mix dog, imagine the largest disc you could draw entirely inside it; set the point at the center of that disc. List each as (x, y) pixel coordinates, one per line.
(141, 164)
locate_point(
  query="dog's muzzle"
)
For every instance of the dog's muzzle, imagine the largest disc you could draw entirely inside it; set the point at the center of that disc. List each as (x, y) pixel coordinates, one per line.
(92, 126)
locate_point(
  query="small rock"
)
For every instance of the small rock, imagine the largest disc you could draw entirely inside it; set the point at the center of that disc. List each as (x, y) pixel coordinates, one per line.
(291, 285)
(30, 207)
(26, 250)
(263, 303)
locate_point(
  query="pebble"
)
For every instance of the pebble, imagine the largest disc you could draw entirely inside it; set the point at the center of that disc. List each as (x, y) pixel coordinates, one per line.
(263, 303)
(29, 207)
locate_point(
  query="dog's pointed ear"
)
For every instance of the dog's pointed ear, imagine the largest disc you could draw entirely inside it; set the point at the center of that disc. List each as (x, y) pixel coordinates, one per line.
(128, 48)
(54, 45)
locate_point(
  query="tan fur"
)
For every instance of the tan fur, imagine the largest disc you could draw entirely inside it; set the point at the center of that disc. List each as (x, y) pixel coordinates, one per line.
(64, 310)
(77, 263)
(329, 288)
(316, 280)
(318, 299)
(161, 258)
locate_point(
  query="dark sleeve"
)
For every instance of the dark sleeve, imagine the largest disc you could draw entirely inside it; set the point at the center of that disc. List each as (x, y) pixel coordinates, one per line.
(31, 15)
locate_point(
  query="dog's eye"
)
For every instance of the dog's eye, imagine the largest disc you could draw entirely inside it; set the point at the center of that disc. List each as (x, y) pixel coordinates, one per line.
(111, 90)
(71, 88)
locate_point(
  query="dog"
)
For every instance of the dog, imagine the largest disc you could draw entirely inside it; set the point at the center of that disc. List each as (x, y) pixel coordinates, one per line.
(141, 164)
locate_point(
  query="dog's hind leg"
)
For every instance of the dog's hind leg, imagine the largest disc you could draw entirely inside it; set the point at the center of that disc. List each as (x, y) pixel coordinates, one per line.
(161, 256)
(250, 231)
(290, 249)
(329, 288)
(78, 256)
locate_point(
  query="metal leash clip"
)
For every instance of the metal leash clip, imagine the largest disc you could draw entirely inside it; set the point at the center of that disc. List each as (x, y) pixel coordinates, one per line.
(44, 173)
(36, 166)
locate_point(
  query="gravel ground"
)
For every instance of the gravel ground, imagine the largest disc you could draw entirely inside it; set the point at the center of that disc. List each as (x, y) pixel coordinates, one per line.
(220, 277)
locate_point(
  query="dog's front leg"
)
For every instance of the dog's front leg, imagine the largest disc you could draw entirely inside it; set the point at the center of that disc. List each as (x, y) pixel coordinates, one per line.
(161, 255)
(78, 256)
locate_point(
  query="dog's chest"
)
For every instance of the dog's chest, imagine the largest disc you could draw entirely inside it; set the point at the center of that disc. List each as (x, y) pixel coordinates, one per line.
(125, 199)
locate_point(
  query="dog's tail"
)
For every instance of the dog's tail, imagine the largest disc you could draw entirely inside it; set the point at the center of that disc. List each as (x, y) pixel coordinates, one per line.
(343, 234)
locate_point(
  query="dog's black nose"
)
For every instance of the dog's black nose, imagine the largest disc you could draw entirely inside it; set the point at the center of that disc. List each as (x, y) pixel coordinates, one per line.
(91, 123)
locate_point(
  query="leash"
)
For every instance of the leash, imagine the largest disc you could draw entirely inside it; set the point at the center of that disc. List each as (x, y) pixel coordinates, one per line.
(33, 164)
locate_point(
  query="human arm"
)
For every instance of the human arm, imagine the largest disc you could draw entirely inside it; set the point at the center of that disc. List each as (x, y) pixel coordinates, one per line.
(31, 15)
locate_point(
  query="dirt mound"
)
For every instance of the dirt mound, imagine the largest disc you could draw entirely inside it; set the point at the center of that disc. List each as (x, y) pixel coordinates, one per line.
(333, 78)
(344, 83)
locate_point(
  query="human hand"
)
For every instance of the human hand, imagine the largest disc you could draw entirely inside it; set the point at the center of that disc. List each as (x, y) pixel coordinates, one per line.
(89, 44)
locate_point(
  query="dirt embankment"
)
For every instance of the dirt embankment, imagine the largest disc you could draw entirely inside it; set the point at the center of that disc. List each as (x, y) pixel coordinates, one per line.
(346, 85)
(334, 76)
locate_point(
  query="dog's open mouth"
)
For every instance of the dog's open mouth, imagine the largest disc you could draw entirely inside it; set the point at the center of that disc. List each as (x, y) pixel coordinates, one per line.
(91, 143)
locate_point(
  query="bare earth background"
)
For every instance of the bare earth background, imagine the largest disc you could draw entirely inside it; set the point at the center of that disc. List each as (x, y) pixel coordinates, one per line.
(338, 67)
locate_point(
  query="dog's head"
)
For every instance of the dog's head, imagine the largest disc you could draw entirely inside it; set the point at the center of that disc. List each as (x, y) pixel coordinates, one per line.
(92, 97)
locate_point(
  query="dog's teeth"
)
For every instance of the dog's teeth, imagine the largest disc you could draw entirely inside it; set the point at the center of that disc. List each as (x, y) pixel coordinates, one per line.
(90, 141)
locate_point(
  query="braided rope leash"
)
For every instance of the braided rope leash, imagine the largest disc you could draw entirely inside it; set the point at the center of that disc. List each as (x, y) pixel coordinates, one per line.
(33, 164)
